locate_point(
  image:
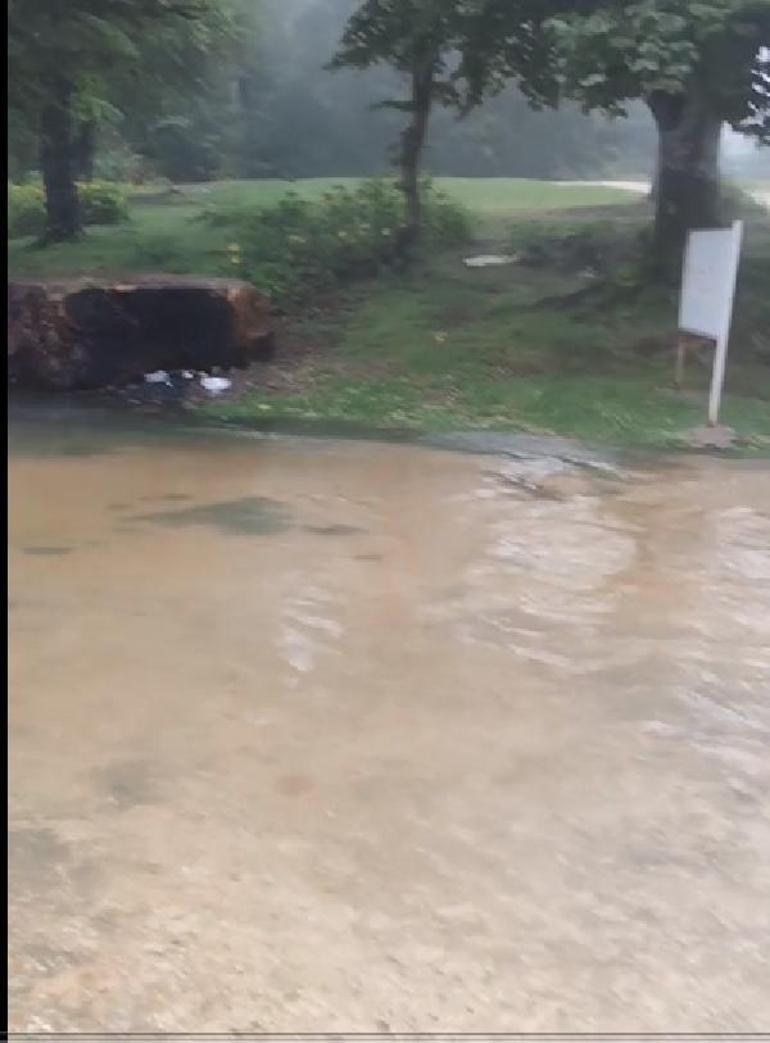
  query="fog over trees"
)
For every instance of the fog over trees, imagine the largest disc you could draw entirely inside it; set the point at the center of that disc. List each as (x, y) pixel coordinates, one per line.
(268, 107)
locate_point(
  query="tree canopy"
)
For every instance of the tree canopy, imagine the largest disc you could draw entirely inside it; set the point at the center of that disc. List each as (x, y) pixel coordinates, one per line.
(697, 64)
(68, 56)
(451, 53)
(197, 89)
(654, 49)
(251, 98)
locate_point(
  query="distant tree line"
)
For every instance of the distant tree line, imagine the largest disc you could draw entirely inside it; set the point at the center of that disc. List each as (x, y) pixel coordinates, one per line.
(194, 90)
(199, 89)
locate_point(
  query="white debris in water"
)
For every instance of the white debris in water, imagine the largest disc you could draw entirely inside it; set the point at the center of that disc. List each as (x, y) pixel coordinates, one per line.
(488, 260)
(215, 384)
(160, 376)
(187, 374)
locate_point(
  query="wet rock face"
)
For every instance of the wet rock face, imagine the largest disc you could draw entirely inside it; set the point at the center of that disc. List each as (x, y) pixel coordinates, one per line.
(91, 333)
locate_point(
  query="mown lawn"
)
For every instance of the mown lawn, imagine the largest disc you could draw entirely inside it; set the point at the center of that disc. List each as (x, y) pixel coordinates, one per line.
(503, 195)
(169, 235)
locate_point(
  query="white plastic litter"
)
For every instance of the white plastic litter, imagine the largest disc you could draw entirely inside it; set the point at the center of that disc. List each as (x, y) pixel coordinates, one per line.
(215, 384)
(488, 260)
(160, 376)
(187, 374)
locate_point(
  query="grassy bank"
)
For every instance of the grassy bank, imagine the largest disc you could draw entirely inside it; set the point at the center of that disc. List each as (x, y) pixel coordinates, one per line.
(449, 347)
(497, 348)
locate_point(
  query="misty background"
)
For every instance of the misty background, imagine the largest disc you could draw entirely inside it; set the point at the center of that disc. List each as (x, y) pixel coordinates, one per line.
(276, 112)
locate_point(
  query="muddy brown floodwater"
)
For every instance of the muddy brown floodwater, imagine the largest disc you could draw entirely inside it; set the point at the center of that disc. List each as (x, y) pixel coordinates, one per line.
(313, 734)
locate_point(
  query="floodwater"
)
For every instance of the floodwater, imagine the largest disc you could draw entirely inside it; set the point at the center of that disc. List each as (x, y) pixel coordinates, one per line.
(339, 735)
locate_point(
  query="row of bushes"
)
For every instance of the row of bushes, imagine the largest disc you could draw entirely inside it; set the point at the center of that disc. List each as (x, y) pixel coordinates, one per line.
(296, 249)
(102, 203)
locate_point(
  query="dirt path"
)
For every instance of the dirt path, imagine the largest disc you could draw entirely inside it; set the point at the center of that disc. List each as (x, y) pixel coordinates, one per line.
(759, 195)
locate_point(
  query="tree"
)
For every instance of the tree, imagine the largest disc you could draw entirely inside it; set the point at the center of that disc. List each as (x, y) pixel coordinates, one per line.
(292, 119)
(449, 50)
(63, 53)
(417, 38)
(180, 111)
(697, 64)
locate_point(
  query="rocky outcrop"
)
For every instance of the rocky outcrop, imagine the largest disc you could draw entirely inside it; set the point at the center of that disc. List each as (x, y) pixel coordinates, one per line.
(89, 333)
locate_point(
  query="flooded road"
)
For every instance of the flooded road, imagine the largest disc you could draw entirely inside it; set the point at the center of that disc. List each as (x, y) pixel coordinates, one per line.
(323, 735)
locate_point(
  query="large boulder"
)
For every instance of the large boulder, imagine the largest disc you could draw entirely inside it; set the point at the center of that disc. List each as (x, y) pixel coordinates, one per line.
(89, 333)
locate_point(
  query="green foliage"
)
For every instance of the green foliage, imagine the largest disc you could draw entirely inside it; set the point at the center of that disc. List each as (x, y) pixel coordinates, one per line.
(292, 119)
(626, 411)
(75, 64)
(448, 348)
(23, 145)
(255, 101)
(116, 162)
(591, 247)
(453, 53)
(401, 32)
(179, 152)
(26, 210)
(298, 248)
(654, 49)
(89, 41)
(102, 203)
(180, 114)
(504, 41)
(448, 223)
(163, 233)
(417, 38)
(696, 64)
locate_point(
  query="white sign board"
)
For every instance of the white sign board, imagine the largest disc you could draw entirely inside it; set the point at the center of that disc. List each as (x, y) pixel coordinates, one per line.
(708, 290)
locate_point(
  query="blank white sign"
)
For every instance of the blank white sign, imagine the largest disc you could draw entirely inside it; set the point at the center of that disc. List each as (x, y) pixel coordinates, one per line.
(708, 286)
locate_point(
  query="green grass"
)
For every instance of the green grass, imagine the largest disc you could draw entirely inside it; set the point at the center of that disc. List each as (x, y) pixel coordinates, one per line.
(167, 235)
(486, 195)
(448, 347)
(157, 238)
(621, 411)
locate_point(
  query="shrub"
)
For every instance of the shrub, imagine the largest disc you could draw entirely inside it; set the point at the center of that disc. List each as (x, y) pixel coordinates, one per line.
(448, 223)
(295, 248)
(102, 203)
(183, 150)
(26, 210)
(596, 245)
(119, 163)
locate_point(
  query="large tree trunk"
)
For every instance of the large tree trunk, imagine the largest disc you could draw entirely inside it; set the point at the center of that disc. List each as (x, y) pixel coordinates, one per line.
(85, 150)
(687, 188)
(412, 147)
(57, 162)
